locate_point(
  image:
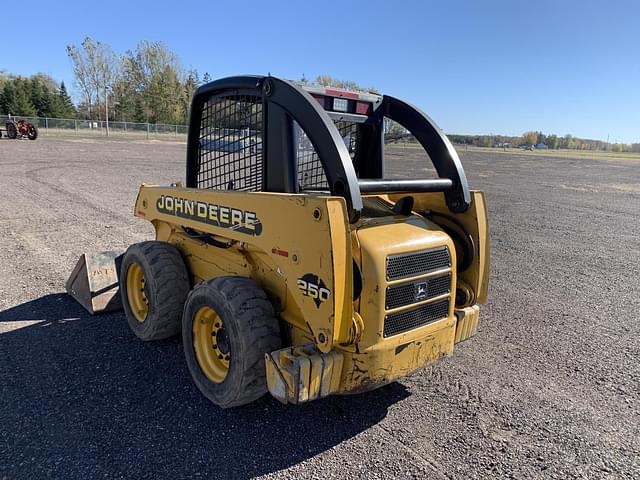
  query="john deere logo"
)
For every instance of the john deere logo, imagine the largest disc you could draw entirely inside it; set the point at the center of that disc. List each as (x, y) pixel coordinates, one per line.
(421, 291)
(212, 214)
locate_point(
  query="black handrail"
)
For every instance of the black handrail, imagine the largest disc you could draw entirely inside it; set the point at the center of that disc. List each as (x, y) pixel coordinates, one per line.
(402, 186)
(323, 135)
(440, 150)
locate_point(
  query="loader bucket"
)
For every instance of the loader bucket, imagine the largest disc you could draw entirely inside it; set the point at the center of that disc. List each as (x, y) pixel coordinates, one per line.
(94, 282)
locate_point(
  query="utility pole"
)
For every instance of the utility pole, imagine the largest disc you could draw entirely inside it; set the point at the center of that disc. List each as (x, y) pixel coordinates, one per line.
(106, 107)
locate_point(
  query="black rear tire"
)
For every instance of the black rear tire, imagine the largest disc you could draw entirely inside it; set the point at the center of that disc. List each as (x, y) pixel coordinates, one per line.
(12, 130)
(165, 289)
(251, 330)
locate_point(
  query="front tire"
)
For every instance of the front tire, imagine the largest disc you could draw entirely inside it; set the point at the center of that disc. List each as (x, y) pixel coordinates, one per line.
(32, 133)
(154, 285)
(227, 327)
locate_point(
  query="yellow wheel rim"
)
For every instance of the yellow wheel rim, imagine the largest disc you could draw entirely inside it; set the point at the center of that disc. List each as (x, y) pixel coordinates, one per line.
(211, 344)
(137, 297)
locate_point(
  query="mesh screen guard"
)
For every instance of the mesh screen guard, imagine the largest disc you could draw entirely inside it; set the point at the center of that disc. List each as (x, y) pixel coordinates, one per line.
(230, 144)
(311, 175)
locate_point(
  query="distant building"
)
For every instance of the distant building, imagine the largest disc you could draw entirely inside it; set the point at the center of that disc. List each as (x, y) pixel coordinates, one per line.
(541, 146)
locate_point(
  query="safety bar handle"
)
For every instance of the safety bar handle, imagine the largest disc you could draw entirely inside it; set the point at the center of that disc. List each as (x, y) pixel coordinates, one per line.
(405, 186)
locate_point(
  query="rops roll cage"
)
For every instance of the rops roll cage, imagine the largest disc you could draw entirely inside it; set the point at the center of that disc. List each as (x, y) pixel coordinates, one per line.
(283, 102)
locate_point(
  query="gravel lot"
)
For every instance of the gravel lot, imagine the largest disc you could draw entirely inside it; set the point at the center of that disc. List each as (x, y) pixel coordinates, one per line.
(550, 386)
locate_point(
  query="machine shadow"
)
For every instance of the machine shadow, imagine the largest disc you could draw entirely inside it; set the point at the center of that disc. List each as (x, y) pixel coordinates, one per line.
(82, 397)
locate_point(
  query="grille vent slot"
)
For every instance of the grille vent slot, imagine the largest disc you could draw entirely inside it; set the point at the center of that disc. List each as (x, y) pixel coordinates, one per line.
(414, 292)
(400, 322)
(411, 264)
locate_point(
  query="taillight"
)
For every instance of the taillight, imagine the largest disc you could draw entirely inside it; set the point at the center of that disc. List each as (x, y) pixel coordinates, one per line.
(362, 108)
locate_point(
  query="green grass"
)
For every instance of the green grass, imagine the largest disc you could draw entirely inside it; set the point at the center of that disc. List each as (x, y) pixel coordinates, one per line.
(113, 133)
(554, 153)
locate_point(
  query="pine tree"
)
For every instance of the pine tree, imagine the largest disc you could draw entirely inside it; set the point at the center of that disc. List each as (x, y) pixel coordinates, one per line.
(40, 97)
(66, 109)
(6, 97)
(16, 100)
(141, 112)
(23, 106)
(190, 86)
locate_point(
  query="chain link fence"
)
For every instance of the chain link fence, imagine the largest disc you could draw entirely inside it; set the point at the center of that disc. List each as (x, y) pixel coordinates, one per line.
(56, 127)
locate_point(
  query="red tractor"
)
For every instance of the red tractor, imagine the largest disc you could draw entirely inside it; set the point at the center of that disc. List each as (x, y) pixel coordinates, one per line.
(20, 128)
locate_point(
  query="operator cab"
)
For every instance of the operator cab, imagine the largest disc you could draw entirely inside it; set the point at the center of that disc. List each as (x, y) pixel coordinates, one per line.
(268, 134)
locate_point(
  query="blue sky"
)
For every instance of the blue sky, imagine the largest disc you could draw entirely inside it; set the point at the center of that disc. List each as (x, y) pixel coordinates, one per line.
(474, 66)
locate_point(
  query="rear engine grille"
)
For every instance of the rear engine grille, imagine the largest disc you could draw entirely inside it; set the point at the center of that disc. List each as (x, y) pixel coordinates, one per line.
(412, 264)
(414, 292)
(396, 323)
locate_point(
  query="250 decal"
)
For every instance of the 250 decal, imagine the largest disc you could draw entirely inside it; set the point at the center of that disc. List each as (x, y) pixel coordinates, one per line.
(314, 287)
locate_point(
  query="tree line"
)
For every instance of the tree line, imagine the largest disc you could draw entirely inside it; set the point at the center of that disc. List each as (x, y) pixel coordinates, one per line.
(329, 81)
(149, 84)
(35, 96)
(146, 84)
(536, 138)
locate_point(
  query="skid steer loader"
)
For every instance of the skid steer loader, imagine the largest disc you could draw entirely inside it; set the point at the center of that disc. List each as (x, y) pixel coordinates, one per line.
(290, 263)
